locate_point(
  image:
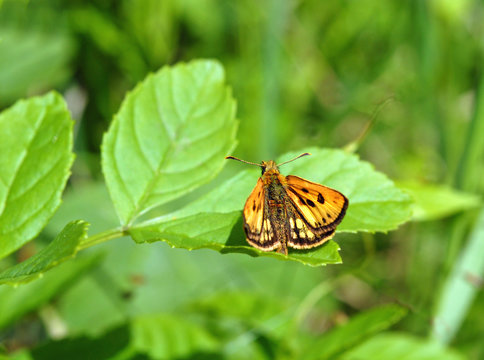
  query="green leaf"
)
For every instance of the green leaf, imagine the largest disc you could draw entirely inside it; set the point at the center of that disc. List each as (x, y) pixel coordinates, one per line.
(169, 137)
(32, 61)
(402, 347)
(63, 247)
(251, 307)
(376, 204)
(205, 230)
(17, 301)
(35, 157)
(162, 336)
(158, 336)
(359, 328)
(108, 346)
(212, 230)
(461, 286)
(433, 202)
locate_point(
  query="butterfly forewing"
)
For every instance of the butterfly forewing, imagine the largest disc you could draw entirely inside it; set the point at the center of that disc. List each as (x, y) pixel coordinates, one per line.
(257, 224)
(321, 207)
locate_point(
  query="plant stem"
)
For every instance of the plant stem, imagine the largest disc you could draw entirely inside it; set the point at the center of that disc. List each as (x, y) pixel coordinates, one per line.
(101, 237)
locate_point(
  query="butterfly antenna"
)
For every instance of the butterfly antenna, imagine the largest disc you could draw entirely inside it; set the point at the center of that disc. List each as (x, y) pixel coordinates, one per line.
(297, 157)
(247, 162)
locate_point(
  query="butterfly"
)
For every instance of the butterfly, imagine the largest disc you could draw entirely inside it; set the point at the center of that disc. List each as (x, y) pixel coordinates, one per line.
(289, 211)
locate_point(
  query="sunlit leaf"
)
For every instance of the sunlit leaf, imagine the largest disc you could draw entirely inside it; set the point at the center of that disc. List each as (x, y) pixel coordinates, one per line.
(32, 61)
(433, 202)
(212, 230)
(376, 204)
(461, 286)
(63, 247)
(35, 157)
(359, 328)
(162, 336)
(17, 301)
(170, 136)
(402, 347)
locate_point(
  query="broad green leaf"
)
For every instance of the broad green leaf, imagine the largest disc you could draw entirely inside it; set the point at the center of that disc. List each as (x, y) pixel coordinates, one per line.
(162, 336)
(209, 230)
(359, 328)
(433, 202)
(32, 61)
(170, 136)
(108, 346)
(401, 346)
(35, 157)
(461, 286)
(17, 301)
(63, 247)
(251, 307)
(153, 336)
(212, 230)
(375, 203)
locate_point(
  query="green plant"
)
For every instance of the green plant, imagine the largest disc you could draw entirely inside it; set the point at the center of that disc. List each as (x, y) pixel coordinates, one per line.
(168, 139)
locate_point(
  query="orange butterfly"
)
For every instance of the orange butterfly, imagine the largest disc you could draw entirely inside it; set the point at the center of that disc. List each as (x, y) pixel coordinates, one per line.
(290, 211)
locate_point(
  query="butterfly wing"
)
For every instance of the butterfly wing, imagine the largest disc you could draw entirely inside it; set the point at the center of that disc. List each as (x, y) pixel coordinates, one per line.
(257, 225)
(315, 212)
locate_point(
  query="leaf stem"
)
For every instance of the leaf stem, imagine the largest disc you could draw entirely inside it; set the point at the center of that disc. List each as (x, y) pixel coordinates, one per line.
(355, 144)
(101, 237)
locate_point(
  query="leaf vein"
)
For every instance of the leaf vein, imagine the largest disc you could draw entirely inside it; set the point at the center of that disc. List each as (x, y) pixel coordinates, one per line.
(37, 126)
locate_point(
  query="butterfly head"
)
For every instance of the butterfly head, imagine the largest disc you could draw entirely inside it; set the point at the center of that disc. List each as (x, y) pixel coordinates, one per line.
(267, 166)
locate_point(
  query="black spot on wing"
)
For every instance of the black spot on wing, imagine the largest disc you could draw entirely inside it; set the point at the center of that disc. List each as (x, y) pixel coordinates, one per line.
(320, 199)
(301, 200)
(305, 190)
(310, 203)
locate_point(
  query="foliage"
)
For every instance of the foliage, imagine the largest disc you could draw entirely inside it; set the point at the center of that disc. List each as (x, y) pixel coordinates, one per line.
(305, 78)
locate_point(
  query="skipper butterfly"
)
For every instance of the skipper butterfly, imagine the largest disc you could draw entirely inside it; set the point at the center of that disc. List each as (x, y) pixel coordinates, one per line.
(289, 211)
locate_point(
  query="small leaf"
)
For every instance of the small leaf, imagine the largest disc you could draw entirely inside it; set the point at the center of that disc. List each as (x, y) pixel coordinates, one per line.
(106, 346)
(401, 346)
(212, 230)
(169, 137)
(433, 202)
(31, 61)
(375, 203)
(461, 286)
(359, 328)
(35, 157)
(251, 307)
(205, 230)
(17, 301)
(153, 336)
(163, 336)
(63, 247)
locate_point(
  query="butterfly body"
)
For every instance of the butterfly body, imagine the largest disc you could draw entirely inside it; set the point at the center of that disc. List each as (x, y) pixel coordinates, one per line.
(288, 211)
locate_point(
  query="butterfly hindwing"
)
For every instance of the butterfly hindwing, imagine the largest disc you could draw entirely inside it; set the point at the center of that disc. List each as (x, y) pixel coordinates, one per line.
(257, 225)
(301, 234)
(321, 207)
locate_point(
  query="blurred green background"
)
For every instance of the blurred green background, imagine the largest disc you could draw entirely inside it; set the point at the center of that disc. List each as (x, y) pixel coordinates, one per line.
(304, 73)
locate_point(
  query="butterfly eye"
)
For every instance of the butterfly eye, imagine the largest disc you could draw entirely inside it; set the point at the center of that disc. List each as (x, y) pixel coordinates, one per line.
(263, 168)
